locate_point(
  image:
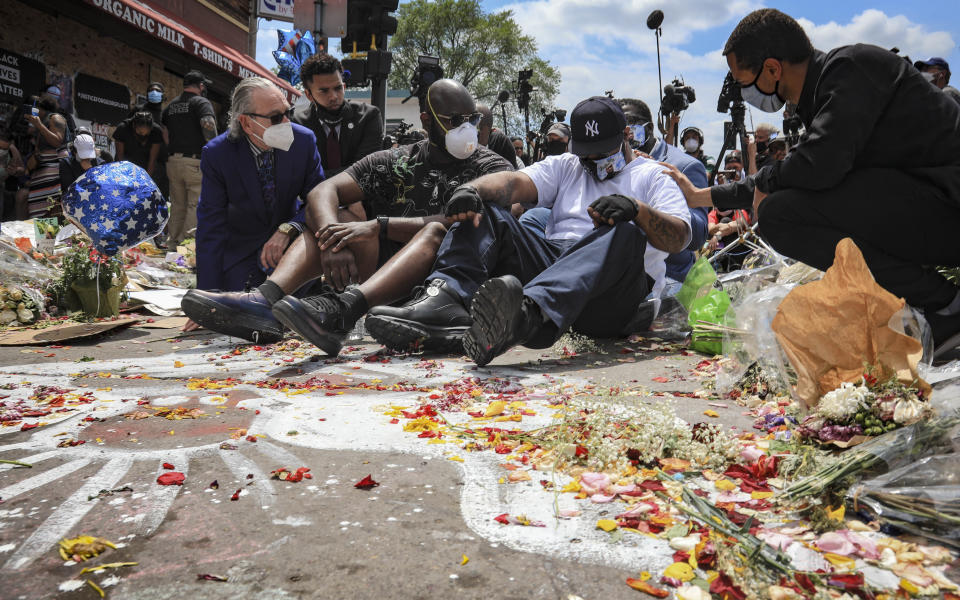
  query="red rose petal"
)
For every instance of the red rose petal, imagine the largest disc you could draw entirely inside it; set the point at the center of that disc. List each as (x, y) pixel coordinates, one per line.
(366, 483)
(171, 478)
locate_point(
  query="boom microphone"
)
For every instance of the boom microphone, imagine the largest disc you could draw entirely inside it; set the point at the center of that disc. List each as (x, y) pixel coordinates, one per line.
(503, 96)
(655, 19)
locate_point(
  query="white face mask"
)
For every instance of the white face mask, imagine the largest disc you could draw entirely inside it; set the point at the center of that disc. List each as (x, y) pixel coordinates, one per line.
(461, 142)
(929, 76)
(691, 145)
(279, 136)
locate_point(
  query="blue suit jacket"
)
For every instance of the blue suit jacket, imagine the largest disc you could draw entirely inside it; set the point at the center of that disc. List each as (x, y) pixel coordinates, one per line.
(233, 222)
(680, 262)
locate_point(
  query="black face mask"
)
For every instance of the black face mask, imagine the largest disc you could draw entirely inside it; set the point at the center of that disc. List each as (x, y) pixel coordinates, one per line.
(762, 147)
(331, 118)
(555, 147)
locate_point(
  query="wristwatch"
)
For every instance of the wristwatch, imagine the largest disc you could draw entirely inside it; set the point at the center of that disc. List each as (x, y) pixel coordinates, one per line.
(288, 229)
(384, 223)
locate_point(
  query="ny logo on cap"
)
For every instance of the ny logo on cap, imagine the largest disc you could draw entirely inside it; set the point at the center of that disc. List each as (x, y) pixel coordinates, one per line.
(593, 129)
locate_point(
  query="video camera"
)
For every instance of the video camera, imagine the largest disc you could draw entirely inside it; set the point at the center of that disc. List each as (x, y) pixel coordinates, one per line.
(401, 134)
(677, 97)
(731, 100)
(792, 126)
(428, 70)
(549, 116)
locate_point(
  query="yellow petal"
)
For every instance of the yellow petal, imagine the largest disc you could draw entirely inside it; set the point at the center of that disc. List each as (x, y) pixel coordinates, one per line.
(573, 486)
(760, 495)
(679, 570)
(177, 364)
(837, 515)
(464, 559)
(496, 407)
(607, 525)
(645, 576)
(455, 459)
(711, 413)
(725, 485)
(844, 562)
(908, 587)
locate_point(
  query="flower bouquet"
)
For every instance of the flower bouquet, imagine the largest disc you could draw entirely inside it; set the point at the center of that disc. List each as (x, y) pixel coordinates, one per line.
(863, 409)
(90, 281)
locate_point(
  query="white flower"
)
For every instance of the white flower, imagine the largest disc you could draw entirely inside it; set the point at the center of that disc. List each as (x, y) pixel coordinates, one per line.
(908, 410)
(692, 592)
(685, 544)
(844, 401)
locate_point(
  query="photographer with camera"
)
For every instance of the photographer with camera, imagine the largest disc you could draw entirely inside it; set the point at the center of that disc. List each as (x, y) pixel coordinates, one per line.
(879, 140)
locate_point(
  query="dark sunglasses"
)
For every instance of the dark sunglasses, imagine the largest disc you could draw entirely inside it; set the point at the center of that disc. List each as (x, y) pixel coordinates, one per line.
(457, 120)
(276, 118)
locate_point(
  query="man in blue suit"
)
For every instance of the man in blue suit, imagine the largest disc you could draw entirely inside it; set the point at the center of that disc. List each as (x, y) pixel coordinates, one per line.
(256, 178)
(640, 122)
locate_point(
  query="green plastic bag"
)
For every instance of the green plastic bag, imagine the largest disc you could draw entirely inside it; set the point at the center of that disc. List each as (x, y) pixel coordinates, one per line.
(705, 300)
(701, 275)
(712, 307)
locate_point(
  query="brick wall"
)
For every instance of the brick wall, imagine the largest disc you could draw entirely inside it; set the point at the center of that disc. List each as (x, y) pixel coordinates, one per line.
(66, 47)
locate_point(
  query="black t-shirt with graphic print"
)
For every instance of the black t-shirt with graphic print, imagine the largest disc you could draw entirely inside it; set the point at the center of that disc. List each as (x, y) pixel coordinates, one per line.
(400, 182)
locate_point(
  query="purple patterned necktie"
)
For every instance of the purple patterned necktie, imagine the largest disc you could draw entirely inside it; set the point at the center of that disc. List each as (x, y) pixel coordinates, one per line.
(268, 180)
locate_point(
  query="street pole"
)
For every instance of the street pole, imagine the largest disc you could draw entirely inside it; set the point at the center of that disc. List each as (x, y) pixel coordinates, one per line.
(252, 26)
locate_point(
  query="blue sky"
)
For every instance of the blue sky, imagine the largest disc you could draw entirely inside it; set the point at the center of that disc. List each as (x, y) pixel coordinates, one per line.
(604, 44)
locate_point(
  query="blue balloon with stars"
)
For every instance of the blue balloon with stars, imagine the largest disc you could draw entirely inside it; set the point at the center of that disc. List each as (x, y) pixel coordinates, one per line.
(117, 205)
(295, 47)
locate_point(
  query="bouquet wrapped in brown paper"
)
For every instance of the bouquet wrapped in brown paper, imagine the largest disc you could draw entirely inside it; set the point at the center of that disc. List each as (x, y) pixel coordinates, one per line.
(832, 329)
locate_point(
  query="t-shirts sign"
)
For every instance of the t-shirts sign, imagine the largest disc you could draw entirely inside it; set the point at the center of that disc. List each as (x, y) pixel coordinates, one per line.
(101, 100)
(20, 77)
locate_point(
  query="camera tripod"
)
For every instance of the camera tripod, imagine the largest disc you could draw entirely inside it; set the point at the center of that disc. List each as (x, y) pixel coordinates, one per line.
(736, 130)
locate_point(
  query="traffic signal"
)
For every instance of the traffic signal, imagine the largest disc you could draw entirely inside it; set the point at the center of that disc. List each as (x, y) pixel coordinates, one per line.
(524, 88)
(369, 22)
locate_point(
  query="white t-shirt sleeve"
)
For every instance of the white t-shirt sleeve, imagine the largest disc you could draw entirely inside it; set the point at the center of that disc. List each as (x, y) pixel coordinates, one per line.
(664, 195)
(547, 175)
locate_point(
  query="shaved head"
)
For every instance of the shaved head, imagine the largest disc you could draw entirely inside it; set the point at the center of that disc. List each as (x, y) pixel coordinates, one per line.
(447, 97)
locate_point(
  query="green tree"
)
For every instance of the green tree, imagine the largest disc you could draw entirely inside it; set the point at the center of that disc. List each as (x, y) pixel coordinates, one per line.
(483, 51)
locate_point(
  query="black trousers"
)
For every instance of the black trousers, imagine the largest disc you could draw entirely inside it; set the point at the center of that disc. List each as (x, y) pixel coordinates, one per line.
(593, 284)
(903, 226)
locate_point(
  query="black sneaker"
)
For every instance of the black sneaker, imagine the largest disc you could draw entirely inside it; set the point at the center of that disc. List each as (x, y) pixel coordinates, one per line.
(244, 315)
(946, 332)
(502, 318)
(434, 321)
(319, 319)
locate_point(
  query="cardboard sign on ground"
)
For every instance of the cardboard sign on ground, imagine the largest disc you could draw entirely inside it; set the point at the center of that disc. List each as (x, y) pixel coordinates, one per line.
(60, 333)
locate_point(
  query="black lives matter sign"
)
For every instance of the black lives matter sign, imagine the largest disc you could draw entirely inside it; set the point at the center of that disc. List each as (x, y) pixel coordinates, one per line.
(100, 100)
(20, 77)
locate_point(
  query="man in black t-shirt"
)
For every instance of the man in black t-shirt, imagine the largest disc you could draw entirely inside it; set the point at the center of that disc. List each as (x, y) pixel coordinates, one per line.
(383, 211)
(493, 139)
(190, 123)
(138, 140)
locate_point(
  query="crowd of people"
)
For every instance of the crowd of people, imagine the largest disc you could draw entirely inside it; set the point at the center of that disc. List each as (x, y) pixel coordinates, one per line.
(464, 241)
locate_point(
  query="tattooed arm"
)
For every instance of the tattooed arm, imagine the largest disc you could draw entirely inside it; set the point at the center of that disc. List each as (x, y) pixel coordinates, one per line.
(664, 232)
(209, 127)
(506, 188)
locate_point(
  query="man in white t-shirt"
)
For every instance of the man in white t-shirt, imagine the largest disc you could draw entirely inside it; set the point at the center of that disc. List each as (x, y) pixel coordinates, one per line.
(614, 219)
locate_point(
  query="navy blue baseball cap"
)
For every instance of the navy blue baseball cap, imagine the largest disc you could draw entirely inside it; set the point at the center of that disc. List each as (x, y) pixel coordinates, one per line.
(936, 61)
(596, 126)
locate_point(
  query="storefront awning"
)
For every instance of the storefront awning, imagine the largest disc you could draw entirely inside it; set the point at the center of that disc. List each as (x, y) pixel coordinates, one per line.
(206, 48)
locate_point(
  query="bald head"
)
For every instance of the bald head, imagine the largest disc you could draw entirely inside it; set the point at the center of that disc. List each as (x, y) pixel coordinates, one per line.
(449, 97)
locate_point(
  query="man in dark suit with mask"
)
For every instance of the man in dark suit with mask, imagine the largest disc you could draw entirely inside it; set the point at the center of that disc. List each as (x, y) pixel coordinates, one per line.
(346, 131)
(253, 176)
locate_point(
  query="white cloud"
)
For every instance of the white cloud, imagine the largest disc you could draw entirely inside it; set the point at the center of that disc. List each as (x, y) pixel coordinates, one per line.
(874, 27)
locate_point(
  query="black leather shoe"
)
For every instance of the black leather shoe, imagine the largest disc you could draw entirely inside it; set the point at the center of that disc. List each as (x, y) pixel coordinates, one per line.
(434, 321)
(244, 315)
(319, 319)
(502, 318)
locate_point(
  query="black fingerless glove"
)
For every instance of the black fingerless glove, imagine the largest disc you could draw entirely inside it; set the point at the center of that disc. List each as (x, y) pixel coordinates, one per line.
(464, 199)
(617, 207)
